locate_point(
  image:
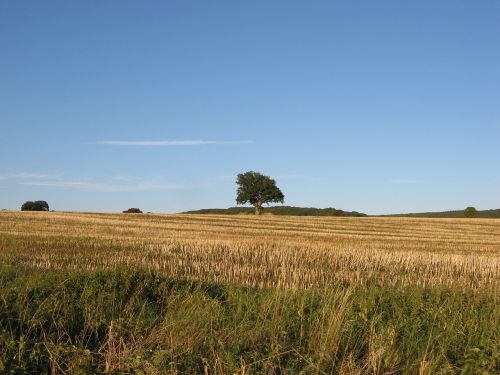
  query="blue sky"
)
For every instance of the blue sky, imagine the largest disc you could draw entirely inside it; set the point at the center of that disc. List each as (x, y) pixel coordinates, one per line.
(374, 106)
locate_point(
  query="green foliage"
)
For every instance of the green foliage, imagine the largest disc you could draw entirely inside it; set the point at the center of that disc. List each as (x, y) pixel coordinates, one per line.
(132, 211)
(485, 214)
(257, 189)
(470, 212)
(134, 321)
(35, 206)
(280, 210)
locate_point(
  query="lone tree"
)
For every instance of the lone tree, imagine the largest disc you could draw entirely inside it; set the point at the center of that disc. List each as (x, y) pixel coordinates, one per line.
(470, 212)
(257, 189)
(35, 206)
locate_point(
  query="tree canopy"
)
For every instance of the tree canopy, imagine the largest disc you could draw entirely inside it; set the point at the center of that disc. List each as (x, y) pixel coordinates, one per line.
(35, 206)
(132, 211)
(257, 189)
(470, 212)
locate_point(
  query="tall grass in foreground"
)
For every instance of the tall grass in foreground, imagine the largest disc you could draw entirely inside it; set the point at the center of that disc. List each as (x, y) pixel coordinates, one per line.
(135, 321)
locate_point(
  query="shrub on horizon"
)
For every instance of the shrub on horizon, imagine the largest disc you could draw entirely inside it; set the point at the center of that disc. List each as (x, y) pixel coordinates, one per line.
(470, 212)
(132, 211)
(35, 206)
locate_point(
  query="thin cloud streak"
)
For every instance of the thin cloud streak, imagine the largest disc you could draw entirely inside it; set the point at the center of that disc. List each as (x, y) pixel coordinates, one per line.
(198, 142)
(405, 181)
(113, 184)
(101, 187)
(25, 175)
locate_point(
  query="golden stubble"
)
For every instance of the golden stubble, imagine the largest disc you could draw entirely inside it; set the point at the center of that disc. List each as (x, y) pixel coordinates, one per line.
(269, 251)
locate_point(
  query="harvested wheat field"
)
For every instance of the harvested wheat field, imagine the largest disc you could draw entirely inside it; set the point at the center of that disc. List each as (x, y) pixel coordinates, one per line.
(208, 294)
(289, 252)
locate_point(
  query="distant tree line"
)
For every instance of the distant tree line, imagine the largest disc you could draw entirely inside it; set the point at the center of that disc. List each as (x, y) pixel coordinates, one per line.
(469, 212)
(256, 189)
(280, 210)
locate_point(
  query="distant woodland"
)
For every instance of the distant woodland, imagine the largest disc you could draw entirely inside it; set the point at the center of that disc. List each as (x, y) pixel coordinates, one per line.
(279, 210)
(485, 214)
(311, 211)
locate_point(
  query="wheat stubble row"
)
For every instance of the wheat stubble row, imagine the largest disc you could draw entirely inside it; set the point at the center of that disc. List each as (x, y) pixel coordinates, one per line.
(269, 251)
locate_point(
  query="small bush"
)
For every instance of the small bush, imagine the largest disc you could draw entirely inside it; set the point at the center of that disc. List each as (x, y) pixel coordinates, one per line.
(132, 211)
(470, 212)
(35, 206)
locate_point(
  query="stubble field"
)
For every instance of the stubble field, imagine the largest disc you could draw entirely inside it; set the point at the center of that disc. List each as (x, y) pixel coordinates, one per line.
(264, 294)
(288, 252)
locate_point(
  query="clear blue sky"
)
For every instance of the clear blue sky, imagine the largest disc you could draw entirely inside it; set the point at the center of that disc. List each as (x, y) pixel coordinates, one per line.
(374, 106)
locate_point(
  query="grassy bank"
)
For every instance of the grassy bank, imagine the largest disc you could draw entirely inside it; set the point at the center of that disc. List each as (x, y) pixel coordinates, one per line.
(133, 321)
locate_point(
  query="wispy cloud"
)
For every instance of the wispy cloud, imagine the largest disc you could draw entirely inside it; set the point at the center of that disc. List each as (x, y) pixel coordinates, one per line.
(405, 181)
(197, 142)
(109, 184)
(24, 175)
(104, 187)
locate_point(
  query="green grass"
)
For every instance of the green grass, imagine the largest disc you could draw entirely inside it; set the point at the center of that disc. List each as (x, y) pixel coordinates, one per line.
(127, 320)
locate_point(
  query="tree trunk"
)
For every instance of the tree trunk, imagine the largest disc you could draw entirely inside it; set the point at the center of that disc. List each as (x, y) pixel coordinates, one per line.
(258, 208)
